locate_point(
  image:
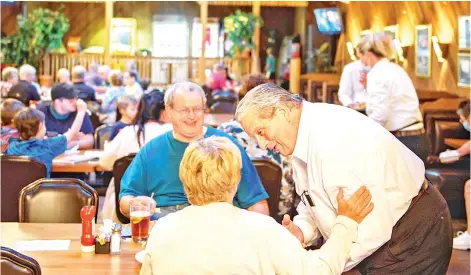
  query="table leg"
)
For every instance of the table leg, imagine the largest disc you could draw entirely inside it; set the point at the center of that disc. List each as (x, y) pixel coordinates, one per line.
(324, 92)
(309, 90)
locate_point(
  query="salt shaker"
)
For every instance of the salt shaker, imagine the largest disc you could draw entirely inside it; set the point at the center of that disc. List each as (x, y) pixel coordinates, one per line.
(116, 239)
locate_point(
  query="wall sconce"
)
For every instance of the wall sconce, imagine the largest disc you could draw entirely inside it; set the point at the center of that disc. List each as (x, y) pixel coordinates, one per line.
(400, 50)
(351, 51)
(441, 49)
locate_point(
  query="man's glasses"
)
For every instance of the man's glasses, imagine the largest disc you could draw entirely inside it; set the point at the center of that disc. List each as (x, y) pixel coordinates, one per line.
(187, 111)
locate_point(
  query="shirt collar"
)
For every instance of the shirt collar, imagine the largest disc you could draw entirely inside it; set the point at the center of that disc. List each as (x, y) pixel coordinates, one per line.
(58, 116)
(380, 63)
(302, 141)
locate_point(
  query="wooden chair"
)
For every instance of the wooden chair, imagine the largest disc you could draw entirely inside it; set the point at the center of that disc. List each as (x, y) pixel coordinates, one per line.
(55, 201)
(119, 168)
(270, 174)
(14, 178)
(102, 134)
(15, 263)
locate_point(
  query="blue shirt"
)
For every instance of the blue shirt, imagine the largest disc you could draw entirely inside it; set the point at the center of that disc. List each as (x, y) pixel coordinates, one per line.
(54, 123)
(85, 92)
(43, 150)
(271, 61)
(116, 128)
(155, 169)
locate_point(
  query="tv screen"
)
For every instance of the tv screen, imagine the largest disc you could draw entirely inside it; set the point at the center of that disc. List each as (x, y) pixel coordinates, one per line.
(329, 20)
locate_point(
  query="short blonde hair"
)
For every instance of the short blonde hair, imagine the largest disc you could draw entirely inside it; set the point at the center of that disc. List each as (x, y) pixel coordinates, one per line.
(379, 44)
(8, 73)
(210, 170)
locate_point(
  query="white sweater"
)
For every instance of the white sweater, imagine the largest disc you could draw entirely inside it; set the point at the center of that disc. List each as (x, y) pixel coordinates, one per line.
(221, 239)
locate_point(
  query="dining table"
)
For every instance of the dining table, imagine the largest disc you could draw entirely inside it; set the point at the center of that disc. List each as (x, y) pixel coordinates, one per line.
(69, 163)
(72, 260)
(325, 79)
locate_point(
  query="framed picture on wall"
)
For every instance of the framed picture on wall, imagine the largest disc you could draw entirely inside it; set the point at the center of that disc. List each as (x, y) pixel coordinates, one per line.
(464, 69)
(123, 36)
(464, 32)
(365, 33)
(392, 31)
(423, 50)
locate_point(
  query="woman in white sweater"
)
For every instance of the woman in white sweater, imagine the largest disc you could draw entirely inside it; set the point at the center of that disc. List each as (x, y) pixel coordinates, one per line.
(211, 236)
(149, 123)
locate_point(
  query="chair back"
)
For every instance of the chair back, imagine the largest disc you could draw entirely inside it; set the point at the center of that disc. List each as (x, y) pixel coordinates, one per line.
(270, 174)
(13, 178)
(15, 263)
(55, 201)
(119, 168)
(102, 134)
(223, 107)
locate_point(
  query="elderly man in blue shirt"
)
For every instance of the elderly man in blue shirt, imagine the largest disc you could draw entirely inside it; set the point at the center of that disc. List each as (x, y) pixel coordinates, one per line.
(155, 169)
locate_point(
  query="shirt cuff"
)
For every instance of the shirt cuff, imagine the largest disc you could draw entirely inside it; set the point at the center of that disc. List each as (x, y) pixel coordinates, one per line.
(307, 229)
(349, 224)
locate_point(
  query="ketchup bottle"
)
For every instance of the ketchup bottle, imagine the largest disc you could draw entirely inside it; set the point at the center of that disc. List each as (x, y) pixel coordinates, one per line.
(88, 223)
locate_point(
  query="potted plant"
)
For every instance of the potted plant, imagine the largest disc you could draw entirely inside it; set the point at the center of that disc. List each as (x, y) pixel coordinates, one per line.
(240, 28)
(39, 33)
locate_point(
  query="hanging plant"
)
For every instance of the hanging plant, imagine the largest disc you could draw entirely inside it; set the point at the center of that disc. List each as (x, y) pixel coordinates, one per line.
(240, 28)
(38, 34)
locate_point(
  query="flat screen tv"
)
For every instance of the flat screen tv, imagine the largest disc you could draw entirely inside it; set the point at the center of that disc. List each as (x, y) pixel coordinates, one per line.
(329, 20)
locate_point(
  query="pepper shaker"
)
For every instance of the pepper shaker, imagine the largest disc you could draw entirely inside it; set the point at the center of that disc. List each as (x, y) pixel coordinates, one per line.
(116, 239)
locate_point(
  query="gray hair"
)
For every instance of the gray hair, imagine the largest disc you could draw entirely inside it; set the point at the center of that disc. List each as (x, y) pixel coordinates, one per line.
(26, 70)
(78, 72)
(8, 73)
(104, 68)
(169, 98)
(63, 72)
(267, 96)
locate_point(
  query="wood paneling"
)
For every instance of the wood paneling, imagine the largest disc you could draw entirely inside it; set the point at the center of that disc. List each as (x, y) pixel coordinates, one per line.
(443, 16)
(87, 18)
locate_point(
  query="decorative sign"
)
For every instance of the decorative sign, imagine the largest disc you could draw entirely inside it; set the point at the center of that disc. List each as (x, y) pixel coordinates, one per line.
(423, 50)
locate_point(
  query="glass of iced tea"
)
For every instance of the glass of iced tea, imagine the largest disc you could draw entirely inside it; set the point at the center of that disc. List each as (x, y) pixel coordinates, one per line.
(140, 218)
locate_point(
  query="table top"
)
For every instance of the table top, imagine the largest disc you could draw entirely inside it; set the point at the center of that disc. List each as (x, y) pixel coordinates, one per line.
(72, 261)
(79, 167)
(317, 77)
(215, 120)
(455, 142)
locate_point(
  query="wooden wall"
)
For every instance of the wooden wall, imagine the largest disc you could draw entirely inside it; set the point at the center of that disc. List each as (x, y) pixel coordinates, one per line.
(87, 19)
(443, 16)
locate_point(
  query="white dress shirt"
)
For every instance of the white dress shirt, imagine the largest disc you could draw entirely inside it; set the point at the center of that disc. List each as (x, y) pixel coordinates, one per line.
(339, 147)
(219, 238)
(350, 89)
(392, 99)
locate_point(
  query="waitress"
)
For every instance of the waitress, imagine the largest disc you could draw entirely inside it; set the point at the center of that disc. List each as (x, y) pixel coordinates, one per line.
(392, 100)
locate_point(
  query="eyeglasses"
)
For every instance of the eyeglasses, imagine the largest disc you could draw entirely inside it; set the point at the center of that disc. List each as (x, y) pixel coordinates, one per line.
(187, 111)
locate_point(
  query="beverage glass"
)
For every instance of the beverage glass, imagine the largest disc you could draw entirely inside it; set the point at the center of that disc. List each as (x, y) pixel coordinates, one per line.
(140, 218)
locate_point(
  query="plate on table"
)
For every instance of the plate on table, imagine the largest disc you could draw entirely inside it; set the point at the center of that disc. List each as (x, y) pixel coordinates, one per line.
(140, 256)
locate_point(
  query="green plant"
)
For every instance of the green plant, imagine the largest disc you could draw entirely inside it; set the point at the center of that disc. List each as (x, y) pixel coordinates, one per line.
(240, 28)
(37, 34)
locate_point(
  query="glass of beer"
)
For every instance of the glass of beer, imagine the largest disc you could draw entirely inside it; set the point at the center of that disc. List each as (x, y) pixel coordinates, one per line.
(140, 218)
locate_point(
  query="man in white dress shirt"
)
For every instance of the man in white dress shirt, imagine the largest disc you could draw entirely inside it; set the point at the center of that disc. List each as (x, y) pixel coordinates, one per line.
(332, 147)
(212, 236)
(392, 99)
(351, 92)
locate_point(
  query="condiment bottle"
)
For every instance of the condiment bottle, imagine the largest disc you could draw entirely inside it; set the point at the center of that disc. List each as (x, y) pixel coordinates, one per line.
(87, 213)
(116, 239)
